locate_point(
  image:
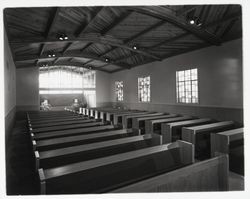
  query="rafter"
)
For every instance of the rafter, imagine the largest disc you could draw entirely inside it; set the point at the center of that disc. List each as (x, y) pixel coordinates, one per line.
(165, 14)
(186, 9)
(137, 35)
(83, 28)
(70, 54)
(234, 16)
(112, 25)
(90, 37)
(50, 25)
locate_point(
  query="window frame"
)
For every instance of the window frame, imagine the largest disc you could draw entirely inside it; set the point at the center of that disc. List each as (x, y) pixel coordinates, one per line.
(177, 94)
(117, 91)
(138, 93)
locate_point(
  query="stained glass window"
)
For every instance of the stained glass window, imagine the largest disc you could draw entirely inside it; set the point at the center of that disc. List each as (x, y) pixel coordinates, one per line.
(119, 90)
(144, 89)
(187, 86)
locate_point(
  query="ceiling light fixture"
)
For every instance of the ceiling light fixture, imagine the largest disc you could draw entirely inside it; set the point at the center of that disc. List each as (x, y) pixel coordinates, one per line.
(51, 55)
(194, 21)
(62, 37)
(135, 47)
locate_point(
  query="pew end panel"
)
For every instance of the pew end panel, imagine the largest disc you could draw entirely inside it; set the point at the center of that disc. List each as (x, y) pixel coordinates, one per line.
(208, 175)
(232, 143)
(42, 181)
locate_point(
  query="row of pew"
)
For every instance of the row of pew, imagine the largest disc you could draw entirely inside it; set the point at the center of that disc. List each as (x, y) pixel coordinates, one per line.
(204, 133)
(101, 150)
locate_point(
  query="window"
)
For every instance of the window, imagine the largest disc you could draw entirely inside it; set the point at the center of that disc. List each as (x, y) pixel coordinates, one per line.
(144, 89)
(119, 90)
(187, 86)
(65, 79)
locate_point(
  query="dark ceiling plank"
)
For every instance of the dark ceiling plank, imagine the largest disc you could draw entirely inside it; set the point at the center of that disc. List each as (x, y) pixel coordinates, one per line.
(76, 54)
(85, 47)
(185, 9)
(112, 25)
(230, 17)
(24, 29)
(50, 24)
(165, 14)
(234, 16)
(116, 22)
(138, 35)
(228, 28)
(90, 37)
(83, 28)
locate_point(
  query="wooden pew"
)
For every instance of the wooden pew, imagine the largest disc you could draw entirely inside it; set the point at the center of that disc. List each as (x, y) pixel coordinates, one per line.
(119, 117)
(65, 127)
(127, 119)
(172, 131)
(151, 126)
(61, 123)
(200, 136)
(42, 122)
(99, 136)
(207, 175)
(139, 123)
(230, 142)
(69, 155)
(70, 132)
(111, 172)
(87, 123)
(51, 119)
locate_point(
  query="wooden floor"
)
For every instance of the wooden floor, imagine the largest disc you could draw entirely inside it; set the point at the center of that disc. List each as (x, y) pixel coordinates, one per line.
(21, 178)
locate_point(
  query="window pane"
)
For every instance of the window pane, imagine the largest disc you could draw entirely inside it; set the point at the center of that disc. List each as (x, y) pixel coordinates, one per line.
(187, 86)
(144, 89)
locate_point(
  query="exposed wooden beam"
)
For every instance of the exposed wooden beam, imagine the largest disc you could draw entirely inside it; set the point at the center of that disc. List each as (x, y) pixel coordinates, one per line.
(50, 24)
(170, 40)
(165, 14)
(186, 9)
(116, 22)
(83, 28)
(85, 47)
(228, 28)
(70, 54)
(90, 37)
(230, 17)
(137, 35)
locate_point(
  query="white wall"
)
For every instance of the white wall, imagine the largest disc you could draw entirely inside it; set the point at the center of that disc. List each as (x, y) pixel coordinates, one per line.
(219, 73)
(102, 88)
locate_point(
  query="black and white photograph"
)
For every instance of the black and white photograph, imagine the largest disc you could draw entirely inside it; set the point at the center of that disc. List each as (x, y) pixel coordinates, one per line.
(124, 99)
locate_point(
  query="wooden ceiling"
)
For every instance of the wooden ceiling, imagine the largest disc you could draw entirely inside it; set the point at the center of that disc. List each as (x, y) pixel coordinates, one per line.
(114, 38)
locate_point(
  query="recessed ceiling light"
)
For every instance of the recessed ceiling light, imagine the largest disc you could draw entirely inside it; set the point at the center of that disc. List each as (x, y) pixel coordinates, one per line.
(135, 47)
(192, 21)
